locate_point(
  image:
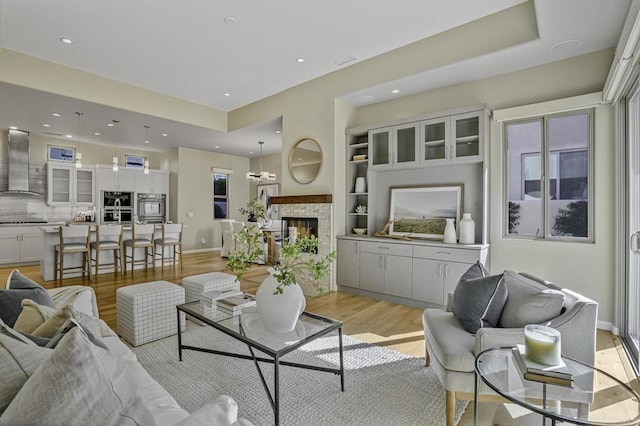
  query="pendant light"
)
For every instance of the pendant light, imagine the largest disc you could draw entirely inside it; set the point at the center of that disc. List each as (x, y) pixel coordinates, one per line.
(115, 140)
(262, 176)
(146, 158)
(78, 153)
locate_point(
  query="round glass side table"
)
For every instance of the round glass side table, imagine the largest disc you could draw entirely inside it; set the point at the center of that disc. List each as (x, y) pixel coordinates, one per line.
(617, 405)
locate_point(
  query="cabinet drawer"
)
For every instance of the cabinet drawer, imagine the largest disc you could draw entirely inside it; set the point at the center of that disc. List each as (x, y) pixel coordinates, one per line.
(446, 253)
(384, 248)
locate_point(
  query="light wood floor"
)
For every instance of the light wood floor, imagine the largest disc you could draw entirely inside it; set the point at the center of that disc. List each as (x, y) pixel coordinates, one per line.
(386, 324)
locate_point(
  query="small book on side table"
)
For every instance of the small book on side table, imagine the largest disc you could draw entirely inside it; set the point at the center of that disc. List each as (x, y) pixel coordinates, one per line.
(552, 374)
(210, 297)
(235, 304)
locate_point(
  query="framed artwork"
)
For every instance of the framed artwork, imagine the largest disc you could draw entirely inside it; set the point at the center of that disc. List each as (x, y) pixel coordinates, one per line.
(265, 192)
(421, 211)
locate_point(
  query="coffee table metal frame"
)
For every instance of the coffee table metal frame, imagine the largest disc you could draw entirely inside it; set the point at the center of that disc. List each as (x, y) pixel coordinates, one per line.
(546, 414)
(276, 355)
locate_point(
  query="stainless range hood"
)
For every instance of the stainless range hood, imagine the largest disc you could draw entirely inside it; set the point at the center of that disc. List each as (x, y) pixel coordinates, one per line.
(18, 165)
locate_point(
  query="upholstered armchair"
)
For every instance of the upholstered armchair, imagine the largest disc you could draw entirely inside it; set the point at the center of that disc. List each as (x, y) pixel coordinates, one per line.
(226, 226)
(451, 350)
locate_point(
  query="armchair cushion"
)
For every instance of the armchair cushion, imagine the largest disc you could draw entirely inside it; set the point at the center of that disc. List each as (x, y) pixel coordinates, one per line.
(448, 341)
(478, 302)
(529, 302)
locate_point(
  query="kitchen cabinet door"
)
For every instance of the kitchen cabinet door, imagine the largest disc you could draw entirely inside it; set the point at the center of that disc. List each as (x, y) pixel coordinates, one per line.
(428, 284)
(372, 272)
(397, 276)
(122, 180)
(84, 186)
(59, 183)
(348, 263)
(9, 247)
(31, 246)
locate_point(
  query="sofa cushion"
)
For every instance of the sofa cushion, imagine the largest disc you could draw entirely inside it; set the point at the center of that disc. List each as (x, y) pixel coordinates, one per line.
(478, 302)
(95, 387)
(32, 316)
(529, 302)
(18, 288)
(67, 327)
(447, 341)
(18, 361)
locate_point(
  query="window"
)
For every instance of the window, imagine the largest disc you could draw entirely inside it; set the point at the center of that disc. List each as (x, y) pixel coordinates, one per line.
(61, 153)
(134, 161)
(220, 196)
(548, 177)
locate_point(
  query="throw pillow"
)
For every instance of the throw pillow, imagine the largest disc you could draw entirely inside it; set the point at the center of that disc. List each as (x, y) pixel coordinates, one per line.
(30, 317)
(26, 338)
(529, 302)
(478, 302)
(51, 326)
(18, 288)
(18, 361)
(66, 328)
(477, 270)
(96, 387)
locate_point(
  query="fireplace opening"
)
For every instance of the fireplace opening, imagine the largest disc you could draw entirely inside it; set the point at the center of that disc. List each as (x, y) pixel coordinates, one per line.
(294, 227)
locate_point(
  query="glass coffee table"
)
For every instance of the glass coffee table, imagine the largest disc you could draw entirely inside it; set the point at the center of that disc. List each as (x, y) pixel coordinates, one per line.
(617, 404)
(248, 329)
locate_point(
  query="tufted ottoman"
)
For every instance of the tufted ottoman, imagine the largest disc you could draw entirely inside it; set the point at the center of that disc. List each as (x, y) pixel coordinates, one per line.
(195, 285)
(147, 312)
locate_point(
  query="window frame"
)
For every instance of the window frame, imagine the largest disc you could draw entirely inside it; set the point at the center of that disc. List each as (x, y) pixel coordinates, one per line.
(63, 147)
(134, 156)
(215, 196)
(545, 153)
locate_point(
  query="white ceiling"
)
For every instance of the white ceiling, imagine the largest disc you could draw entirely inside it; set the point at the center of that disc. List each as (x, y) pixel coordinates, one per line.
(187, 50)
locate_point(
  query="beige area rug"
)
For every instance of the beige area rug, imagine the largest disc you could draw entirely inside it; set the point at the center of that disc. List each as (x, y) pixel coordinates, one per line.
(382, 386)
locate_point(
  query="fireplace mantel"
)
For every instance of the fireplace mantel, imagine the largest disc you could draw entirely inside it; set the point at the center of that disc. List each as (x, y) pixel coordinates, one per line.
(302, 199)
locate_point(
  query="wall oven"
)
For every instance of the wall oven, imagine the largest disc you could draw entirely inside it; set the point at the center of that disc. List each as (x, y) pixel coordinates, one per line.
(117, 207)
(152, 208)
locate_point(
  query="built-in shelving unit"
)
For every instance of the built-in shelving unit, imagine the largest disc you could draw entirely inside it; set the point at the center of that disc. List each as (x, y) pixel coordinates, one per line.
(357, 166)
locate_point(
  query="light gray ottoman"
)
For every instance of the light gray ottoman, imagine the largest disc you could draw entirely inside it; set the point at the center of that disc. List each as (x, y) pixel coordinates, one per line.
(147, 312)
(195, 285)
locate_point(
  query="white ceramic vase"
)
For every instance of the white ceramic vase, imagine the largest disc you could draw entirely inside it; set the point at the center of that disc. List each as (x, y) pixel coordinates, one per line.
(361, 185)
(279, 312)
(467, 229)
(449, 232)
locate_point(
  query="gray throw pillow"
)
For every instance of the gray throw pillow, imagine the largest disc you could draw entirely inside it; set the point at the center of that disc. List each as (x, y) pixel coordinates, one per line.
(478, 302)
(529, 302)
(18, 288)
(477, 270)
(67, 327)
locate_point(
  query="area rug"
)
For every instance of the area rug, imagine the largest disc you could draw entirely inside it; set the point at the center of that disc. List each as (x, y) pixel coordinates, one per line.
(382, 386)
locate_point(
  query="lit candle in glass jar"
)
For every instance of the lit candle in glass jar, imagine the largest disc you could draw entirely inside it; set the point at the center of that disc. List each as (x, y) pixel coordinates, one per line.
(542, 344)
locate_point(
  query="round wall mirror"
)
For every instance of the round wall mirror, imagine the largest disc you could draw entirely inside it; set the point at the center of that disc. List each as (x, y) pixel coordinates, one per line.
(305, 160)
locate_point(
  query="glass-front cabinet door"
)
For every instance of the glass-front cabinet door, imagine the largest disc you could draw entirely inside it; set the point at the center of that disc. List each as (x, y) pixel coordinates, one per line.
(380, 148)
(466, 138)
(434, 141)
(59, 183)
(84, 186)
(405, 146)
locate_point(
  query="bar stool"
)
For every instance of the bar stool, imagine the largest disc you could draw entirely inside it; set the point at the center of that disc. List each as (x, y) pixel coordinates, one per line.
(73, 240)
(172, 238)
(108, 237)
(141, 237)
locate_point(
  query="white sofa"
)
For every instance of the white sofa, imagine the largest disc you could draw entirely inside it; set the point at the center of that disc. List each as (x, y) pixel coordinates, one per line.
(162, 406)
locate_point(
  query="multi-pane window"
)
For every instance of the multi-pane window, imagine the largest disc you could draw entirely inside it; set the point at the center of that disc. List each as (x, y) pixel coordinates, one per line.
(134, 161)
(548, 177)
(220, 196)
(61, 153)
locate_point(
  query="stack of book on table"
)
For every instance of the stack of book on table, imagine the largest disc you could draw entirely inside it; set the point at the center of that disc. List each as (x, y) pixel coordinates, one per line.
(209, 298)
(552, 374)
(233, 305)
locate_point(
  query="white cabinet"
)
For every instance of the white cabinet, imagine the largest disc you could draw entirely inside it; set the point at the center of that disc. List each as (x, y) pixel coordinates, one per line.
(154, 182)
(122, 180)
(457, 138)
(348, 263)
(67, 184)
(386, 268)
(395, 146)
(22, 244)
(415, 272)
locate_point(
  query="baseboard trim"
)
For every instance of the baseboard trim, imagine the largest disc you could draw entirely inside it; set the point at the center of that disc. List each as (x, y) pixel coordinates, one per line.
(606, 325)
(202, 250)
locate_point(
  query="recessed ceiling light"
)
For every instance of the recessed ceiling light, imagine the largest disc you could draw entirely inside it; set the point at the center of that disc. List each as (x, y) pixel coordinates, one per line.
(250, 152)
(394, 91)
(66, 40)
(56, 114)
(46, 125)
(13, 128)
(217, 146)
(146, 141)
(164, 134)
(300, 60)
(565, 47)
(69, 136)
(227, 94)
(278, 131)
(110, 124)
(96, 133)
(230, 20)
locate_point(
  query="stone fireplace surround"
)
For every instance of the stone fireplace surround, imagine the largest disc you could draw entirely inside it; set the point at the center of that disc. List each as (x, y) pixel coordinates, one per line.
(313, 206)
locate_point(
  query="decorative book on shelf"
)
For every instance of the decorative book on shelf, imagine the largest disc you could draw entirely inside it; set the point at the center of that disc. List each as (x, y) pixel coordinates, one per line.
(236, 303)
(552, 374)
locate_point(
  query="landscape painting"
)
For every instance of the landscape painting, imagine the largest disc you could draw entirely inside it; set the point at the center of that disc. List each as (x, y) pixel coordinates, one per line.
(421, 211)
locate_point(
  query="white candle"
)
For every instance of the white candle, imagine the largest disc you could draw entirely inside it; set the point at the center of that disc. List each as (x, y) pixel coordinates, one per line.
(542, 344)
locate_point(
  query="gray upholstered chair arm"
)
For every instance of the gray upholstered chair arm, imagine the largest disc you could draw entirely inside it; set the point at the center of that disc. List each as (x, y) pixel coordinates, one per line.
(487, 338)
(577, 327)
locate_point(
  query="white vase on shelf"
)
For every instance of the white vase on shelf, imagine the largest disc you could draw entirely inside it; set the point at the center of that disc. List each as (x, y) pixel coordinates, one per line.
(361, 185)
(467, 229)
(449, 232)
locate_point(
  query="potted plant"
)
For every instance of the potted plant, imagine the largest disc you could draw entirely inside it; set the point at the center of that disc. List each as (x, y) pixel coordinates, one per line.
(279, 298)
(255, 210)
